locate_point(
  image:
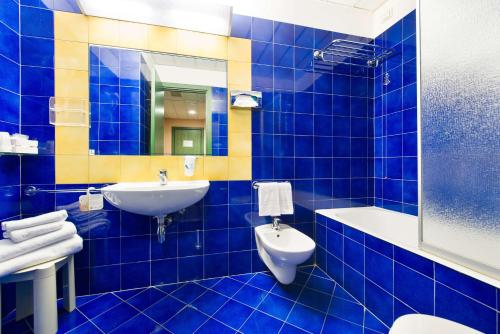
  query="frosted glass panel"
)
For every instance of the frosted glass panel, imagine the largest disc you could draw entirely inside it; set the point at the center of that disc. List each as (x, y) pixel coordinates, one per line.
(460, 122)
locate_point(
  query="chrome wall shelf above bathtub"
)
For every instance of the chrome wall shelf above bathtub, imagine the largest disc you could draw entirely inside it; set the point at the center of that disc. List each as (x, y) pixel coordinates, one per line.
(69, 112)
(342, 51)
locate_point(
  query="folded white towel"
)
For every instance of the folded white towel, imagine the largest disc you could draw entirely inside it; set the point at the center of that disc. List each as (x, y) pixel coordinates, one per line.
(32, 232)
(50, 217)
(286, 202)
(269, 200)
(48, 253)
(9, 249)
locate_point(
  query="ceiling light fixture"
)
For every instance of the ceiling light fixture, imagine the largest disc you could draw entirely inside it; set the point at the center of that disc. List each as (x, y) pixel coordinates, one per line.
(183, 14)
(192, 112)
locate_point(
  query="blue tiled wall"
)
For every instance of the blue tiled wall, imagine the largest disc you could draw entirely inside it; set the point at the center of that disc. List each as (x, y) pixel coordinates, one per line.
(391, 281)
(314, 129)
(219, 121)
(10, 117)
(37, 86)
(10, 172)
(121, 250)
(395, 122)
(118, 118)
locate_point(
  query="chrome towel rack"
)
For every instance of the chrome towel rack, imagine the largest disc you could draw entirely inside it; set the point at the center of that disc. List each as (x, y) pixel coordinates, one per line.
(32, 190)
(343, 51)
(255, 184)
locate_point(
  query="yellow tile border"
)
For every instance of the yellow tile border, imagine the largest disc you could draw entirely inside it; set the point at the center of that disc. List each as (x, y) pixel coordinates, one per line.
(74, 165)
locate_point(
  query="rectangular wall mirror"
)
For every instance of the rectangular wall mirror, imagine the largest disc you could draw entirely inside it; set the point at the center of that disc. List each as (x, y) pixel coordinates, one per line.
(147, 103)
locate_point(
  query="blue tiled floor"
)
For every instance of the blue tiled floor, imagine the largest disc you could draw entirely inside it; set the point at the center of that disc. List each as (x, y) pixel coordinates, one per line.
(251, 303)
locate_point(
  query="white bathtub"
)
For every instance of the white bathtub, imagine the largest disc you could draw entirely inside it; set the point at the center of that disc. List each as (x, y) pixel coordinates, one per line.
(396, 228)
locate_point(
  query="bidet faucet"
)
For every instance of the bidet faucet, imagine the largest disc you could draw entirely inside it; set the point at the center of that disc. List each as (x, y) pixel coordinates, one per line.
(276, 223)
(163, 177)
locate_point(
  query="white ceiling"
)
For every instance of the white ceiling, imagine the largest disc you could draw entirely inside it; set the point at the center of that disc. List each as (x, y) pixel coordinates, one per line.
(177, 105)
(370, 5)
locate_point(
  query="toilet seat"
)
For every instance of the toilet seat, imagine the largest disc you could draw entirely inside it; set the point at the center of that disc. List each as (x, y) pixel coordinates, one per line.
(427, 324)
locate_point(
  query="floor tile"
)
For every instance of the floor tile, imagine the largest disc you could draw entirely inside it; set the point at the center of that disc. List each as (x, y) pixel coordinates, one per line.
(186, 321)
(318, 272)
(86, 328)
(306, 318)
(169, 287)
(321, 284)
(233, 314)
(100, 305)
(14, 326)
(248, 303)
(250, 296)
(126, 294)
(146, 298)
(307, 269)
(315, 299)
(243, 278)
(213, 326)
(289, 329)
(346, 310)
(259, 322)
(66, 321)
(291, 291)
(301, 278)
(209, 302)
(164, 309)
(208, 283)
(341, 293)
(139, 324)
(371, 322)
(188, 292)
(337, 325)
(276, 306)
(228, 287)
(263, 281)
(116, 316)
(82, 300)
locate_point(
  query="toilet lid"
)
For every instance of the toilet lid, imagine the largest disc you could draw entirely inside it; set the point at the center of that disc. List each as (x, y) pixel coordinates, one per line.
(426, 324)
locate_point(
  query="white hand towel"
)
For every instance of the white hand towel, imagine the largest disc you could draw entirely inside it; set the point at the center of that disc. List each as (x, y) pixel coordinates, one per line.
(286, 202)
(51, 217)
(9, 249)
(66, 247)
(32, 232)
(269, 200)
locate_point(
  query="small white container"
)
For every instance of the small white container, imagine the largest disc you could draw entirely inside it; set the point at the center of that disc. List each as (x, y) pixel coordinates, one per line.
(18, 139)
(5, 144)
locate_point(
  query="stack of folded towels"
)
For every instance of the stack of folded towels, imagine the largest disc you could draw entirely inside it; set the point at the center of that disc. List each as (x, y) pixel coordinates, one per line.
(17, 143)
(32, 241)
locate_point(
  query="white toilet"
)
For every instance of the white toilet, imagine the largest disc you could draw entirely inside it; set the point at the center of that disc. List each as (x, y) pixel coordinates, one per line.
(427, 324)
(282, 250)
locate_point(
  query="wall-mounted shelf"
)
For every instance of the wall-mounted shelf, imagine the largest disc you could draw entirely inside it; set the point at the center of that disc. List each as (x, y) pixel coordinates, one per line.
(69, 112)
(342, 51)
(18, 154)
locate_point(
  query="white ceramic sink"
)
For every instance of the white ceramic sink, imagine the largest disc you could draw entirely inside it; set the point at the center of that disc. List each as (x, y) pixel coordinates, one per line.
(154, 199)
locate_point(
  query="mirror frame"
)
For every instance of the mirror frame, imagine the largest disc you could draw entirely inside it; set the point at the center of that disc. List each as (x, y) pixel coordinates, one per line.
(73, 33)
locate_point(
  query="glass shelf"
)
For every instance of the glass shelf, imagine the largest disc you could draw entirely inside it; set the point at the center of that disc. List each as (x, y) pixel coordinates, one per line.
(18, 154)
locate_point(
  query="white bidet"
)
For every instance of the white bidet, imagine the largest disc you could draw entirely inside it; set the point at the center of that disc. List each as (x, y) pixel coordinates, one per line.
(282, 250)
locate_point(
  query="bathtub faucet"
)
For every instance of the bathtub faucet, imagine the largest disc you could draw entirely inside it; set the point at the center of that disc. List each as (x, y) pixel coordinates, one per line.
(276, 223)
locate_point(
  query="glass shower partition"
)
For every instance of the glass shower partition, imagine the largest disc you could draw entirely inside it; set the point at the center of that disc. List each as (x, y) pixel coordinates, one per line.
(460, 132)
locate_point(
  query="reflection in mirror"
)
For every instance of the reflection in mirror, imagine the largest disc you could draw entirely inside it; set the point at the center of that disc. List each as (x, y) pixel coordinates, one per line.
(145, 103)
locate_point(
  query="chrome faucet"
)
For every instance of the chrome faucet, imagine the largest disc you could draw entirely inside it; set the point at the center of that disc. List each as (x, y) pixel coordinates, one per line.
(163, 177)
(276, 223)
